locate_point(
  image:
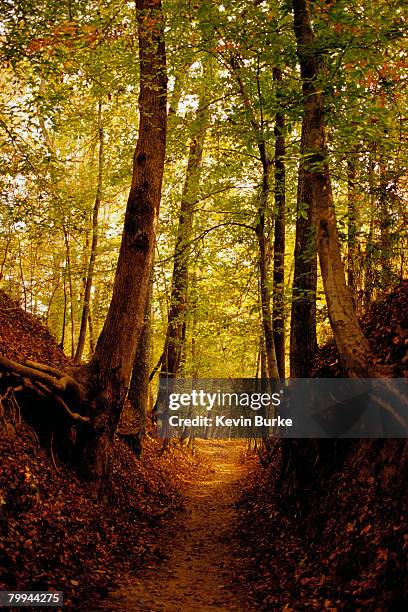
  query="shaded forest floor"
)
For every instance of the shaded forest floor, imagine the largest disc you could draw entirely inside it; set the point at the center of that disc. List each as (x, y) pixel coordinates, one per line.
(199, 548)
(332, 532)
(52, 535)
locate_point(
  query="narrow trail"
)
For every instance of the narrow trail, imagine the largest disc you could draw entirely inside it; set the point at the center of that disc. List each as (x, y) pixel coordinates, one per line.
(199, 571)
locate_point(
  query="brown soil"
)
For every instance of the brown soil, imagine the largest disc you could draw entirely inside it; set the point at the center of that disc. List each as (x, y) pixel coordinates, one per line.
(200, 569)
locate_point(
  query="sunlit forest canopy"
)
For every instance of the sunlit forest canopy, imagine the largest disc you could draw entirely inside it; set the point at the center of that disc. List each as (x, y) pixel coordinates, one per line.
(68, 127)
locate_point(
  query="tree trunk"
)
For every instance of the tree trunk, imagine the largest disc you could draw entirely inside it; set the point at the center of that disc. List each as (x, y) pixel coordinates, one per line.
(368, 263)
(260, 227)
(385, 226)
(111, 365)
(64, 311)
(264, 275)
(303, 341)
(278, 313)
(264, 369)
(94, 243)
(175, 334)
(67, 240)
(352, 345)
(6, 251)
(352, 246)
(91, 332)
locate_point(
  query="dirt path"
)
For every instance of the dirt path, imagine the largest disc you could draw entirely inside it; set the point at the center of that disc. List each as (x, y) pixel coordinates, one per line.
(199, 571)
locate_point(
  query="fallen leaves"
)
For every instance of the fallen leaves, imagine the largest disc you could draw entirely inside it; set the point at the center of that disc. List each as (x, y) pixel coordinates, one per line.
(333, 537)
(52, 534)
(386, 327)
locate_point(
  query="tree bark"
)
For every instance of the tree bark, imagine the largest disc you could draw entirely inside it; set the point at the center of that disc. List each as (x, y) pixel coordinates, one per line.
(303, 340)
(91, 332)
(385, 226)
(67, 241)
(265, 293)
(272, 366)
(352, 245)
(353, 347)
(111, 366)
(278, 312)
(94, 243)
(368, 263)
(6, 251)
(175, 334)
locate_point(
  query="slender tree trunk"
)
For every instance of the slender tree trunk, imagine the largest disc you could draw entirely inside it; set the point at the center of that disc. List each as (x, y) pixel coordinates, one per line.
(265, 294)
(278, 312)
(64, 313)
(352, 247)
(111, 366)
(368, 264)
(70, 287)
(264, 276)
(385, 225)
(353, 347)
(303, 341)
(258, 364)
(91, 332)
(175, 334)
(194, 325)
(22, 279)
(94, 242)
(6, 251)
(50, 301)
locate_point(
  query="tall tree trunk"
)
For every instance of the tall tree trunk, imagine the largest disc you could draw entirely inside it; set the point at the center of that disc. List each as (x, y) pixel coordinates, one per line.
(368, 264)
(353, 347)
(91, 332)
(385, 226)
(278, 312)
(6, 251)
(303, 341)
(67, 241)
(352, 246)
(264, 368)
(111, 365)
(272, 366)
(94, 242)
(175, 334)
(64, 311)
(260, 227)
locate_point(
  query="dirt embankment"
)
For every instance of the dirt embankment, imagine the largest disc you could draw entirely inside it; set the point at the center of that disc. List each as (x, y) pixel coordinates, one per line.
(52, 535)
(331, 515)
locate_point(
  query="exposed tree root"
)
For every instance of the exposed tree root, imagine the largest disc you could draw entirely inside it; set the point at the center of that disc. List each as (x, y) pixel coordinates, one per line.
(47, 382)
(45, 368)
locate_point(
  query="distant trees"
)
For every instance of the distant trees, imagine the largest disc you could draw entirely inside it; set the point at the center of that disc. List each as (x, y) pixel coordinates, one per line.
(174, 343)
(89, 276)
(50, 148)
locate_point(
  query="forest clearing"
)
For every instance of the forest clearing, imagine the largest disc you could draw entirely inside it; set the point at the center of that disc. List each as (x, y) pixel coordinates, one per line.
(191, 193)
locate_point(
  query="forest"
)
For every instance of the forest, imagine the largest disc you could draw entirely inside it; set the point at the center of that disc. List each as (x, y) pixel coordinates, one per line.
(198, 191)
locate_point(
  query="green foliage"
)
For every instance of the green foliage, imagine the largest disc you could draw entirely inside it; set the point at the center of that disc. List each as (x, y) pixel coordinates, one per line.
(61, 58)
